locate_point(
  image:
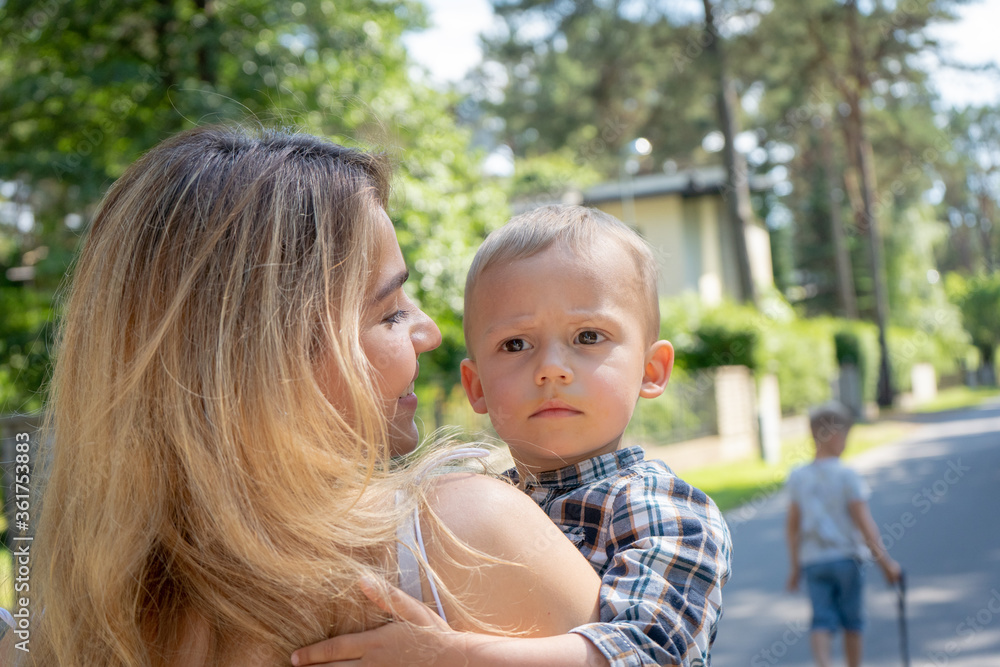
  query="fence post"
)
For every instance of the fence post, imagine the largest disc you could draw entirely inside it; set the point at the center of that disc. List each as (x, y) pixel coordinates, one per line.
(849, 391)
(735, 400)
(769, 413)
(923, 383)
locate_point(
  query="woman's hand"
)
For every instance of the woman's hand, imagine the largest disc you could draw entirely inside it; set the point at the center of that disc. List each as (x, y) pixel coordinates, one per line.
(417, 636)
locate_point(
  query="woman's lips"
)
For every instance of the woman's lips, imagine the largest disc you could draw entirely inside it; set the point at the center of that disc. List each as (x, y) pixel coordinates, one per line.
(408, 402)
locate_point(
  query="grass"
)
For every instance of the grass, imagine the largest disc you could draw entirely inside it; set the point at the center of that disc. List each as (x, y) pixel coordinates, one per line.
(7, 577)
(955, 398)
(6, 571)
(733, 484)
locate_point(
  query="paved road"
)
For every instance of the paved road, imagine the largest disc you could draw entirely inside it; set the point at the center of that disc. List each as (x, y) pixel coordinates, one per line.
(936, 499)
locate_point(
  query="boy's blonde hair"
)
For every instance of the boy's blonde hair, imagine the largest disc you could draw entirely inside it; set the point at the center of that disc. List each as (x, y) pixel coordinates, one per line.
(831, 419)
(580, 228)
(198, 469)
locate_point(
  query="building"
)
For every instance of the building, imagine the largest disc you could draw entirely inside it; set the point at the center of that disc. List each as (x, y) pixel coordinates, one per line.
(685, 218)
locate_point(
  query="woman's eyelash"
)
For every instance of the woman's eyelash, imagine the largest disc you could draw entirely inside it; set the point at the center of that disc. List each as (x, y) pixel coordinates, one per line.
(397, 317)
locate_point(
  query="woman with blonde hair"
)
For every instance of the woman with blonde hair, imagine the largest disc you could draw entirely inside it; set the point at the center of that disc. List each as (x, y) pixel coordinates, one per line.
(234, 373)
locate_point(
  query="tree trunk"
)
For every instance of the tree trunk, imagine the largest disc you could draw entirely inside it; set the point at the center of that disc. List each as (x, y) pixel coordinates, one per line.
(985, 227)
(845, 272)
(207, 60)
(866, 175)
(737, 192)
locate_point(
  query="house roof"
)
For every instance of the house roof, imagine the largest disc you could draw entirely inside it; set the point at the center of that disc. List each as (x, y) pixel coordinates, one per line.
(687, 183)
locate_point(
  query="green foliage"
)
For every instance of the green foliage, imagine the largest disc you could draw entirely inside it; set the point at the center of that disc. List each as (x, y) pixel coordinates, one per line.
(590, 77)
(908, 347)
(25, 337)
(86, 87)
(686, 410)
(550, 174)
(720, 345)
(800, 352)
(979, 300)
(972, 192)
(856, 343)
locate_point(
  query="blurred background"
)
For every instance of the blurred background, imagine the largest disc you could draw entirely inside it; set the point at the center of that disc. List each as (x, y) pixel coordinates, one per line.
(820, 179)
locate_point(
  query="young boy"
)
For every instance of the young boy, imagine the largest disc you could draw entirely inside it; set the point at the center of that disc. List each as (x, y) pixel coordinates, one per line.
(830, 535)
(562, 327)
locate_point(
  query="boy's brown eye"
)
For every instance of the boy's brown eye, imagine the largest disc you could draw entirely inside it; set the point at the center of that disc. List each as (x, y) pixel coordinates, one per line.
(513, 345)
(588, 337)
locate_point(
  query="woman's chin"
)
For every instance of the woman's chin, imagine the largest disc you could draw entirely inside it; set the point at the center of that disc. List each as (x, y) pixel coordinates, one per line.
(402, 440)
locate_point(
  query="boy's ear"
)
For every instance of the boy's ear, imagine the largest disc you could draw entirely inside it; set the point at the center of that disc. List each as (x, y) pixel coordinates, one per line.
(659, 363)
(473, 387)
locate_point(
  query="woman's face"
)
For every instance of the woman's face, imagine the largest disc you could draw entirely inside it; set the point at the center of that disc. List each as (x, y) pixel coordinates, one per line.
(393, 334)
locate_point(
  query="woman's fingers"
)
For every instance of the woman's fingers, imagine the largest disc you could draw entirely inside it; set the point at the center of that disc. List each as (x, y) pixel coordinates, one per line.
(338, 650)
(352, 649)
(401, 606)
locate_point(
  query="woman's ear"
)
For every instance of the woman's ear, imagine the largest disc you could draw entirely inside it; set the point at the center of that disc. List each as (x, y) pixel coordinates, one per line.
(656, 374)
(473, 386)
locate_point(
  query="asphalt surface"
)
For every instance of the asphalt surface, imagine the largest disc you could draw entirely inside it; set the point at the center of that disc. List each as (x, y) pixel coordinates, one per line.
(936, 500)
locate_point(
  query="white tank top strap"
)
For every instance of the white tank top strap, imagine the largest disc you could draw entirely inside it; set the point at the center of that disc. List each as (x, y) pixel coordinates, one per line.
(407, 564)
(7, 618)
(410, 550)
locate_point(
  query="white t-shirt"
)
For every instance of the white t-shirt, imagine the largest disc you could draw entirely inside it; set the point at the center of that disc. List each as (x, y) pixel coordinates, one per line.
(822, 490)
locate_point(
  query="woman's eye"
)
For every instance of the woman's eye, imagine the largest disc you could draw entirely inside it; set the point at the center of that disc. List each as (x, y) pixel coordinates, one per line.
(514, 345)
(588, 337)
(396, 317)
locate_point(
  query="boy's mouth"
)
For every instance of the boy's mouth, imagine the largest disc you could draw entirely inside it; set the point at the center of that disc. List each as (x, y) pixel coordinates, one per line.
(555, 408)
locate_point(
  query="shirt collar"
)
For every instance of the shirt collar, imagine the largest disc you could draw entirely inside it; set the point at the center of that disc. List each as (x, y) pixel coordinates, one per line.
(585, 472)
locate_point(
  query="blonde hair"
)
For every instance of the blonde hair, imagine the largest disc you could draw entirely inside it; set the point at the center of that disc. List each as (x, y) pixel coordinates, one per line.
(198, 469)
(578, 227)
(829, 421)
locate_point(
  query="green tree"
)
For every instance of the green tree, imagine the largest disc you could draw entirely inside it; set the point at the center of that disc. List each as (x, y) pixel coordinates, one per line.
(592, 76)
(979, 299)
(972, 190)
(87, 86)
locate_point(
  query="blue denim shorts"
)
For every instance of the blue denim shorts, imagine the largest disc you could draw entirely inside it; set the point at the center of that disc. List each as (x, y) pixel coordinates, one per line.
(835, 589)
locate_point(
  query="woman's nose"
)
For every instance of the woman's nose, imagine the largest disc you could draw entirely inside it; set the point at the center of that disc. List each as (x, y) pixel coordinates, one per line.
(425, 333)
(552, 367)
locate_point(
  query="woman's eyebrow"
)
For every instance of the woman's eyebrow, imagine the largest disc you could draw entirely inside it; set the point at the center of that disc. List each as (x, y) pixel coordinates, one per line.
(391, 286)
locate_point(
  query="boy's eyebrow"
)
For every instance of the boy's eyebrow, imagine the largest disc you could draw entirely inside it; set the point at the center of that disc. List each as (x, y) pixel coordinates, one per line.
(391, 286)
(598, 316)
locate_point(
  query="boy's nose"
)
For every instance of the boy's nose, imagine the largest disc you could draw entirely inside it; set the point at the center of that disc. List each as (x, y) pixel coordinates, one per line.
(553, 368)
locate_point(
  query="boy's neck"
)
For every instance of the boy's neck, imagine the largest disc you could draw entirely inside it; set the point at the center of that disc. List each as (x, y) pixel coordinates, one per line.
(532, 469)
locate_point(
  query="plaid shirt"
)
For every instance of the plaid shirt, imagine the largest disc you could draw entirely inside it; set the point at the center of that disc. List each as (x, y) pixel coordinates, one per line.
(660, 546)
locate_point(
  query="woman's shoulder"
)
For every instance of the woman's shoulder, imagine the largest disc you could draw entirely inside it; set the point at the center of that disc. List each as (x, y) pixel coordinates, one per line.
(525, 567)
(480, 508)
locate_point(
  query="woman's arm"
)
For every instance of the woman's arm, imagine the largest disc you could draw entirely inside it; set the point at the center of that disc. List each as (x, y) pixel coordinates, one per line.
(540, 585)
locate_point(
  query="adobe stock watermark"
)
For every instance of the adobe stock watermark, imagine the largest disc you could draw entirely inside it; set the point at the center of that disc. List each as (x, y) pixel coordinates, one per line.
(770, 655)
(966, 629)
(894, 531)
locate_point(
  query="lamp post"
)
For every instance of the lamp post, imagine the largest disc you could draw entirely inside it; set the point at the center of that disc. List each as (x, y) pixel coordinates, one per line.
(628, 168)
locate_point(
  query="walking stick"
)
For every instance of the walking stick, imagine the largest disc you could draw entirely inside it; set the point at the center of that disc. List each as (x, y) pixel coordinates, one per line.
(904, 644)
